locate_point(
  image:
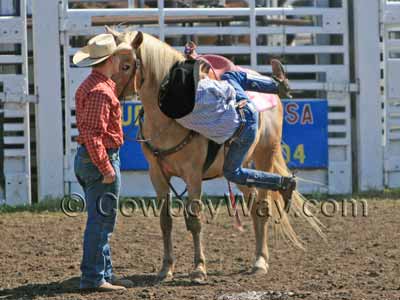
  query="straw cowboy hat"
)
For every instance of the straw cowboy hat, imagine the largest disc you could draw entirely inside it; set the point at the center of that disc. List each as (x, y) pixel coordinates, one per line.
(98, 49)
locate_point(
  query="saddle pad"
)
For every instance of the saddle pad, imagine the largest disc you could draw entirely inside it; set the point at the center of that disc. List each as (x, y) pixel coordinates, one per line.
(261, 101)
(220, 65)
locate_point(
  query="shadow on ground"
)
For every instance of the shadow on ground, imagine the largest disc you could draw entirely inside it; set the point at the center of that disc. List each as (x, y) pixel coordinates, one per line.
(69, 286)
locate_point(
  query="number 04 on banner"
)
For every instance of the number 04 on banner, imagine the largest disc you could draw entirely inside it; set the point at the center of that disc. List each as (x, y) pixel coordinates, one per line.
(305, 134)
(298, 154)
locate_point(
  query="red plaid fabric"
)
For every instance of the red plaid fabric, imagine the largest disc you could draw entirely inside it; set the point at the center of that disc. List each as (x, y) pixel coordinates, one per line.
(98, 118)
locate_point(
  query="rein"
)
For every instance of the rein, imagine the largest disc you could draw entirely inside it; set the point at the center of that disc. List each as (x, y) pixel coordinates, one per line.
(138, 66)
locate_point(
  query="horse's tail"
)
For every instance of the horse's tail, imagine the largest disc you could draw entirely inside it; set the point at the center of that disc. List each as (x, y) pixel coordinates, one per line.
(299, 208)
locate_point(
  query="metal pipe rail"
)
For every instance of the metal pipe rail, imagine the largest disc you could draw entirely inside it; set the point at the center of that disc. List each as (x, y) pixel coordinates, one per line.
(166, 22)
(77, 19)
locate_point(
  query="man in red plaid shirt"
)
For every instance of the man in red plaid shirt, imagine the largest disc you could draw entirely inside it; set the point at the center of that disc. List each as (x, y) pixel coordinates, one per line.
(97, 164)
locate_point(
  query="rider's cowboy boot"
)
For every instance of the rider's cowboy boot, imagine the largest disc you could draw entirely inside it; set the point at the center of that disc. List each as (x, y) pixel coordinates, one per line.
(288, 186)
(278, 73)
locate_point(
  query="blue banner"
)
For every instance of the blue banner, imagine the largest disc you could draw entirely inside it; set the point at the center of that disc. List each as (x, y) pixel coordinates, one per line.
(132, 157)
(305, 135)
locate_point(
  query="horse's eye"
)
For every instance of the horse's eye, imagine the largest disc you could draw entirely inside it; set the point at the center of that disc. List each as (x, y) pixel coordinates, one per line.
(125, 67)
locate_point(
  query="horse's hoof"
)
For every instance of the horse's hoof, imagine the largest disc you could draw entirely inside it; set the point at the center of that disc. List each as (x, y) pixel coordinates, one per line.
(260, 267)
(257, 271)
(165, 276)
(198, 276)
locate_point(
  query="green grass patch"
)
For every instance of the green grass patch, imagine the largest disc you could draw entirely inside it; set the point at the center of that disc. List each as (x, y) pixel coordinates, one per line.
(47, 205)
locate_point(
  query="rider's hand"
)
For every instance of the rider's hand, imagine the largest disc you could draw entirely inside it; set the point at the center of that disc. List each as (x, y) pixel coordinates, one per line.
(109, 178)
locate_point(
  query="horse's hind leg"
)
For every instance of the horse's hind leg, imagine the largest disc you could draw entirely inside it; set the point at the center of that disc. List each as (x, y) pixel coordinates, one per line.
(193, 216)
(259, 213)
(162, 190)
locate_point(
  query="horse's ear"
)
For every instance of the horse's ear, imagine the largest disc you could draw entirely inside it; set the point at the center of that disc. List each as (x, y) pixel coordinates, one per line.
(137, 41)
(112, 31)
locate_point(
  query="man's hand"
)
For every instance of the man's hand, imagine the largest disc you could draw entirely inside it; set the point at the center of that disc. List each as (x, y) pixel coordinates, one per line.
(109, 178)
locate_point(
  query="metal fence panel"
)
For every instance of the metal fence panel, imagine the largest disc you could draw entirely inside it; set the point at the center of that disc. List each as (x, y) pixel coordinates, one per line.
(323, 33)
(14, 101)
(391, 59)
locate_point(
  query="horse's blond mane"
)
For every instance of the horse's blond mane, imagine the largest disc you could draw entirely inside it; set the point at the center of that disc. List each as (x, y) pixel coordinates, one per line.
(157, 56)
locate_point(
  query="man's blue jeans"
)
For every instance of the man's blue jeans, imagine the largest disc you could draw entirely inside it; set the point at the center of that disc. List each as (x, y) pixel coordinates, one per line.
(233, 170)
(102, 203)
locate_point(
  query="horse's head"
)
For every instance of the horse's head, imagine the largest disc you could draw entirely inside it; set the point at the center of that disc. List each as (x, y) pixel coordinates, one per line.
(128, 78)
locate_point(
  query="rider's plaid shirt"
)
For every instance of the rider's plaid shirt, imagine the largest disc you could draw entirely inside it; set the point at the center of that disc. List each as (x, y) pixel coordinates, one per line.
(98, 118)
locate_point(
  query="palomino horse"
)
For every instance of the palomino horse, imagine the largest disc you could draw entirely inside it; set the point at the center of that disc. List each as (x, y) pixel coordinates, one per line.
(156, 59)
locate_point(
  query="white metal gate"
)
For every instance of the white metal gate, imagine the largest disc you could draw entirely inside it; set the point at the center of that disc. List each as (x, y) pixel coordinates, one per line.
(325, 37)
(14, 98)
(391, 57)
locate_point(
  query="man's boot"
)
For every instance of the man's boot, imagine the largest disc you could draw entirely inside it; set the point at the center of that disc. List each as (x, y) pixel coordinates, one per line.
(105, 287)
(116, 280)
(278, 73)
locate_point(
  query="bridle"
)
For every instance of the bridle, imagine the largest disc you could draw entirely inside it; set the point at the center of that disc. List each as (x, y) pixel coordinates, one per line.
(137, 66)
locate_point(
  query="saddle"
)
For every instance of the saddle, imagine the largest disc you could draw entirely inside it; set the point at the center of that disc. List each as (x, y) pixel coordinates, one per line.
(219, 65)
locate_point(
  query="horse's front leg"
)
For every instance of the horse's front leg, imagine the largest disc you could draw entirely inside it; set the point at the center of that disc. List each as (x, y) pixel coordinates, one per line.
(193, 216)
(162, 189)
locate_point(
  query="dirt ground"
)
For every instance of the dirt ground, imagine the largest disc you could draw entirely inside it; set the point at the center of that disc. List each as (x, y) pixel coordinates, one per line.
(40, 255)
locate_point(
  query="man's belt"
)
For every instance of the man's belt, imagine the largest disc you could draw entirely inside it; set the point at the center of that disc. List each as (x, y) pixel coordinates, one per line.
(113, 153)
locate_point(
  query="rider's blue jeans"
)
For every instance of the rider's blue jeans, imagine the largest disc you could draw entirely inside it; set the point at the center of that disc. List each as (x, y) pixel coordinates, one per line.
(233, 170)
(242, 82)
(102, 203)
